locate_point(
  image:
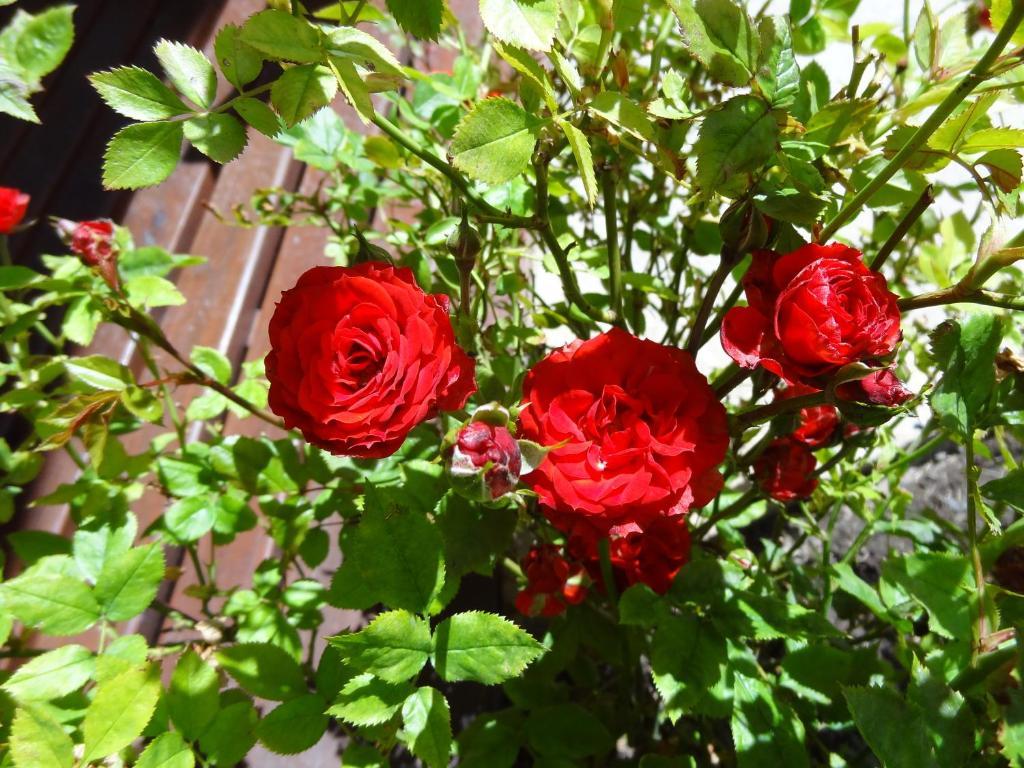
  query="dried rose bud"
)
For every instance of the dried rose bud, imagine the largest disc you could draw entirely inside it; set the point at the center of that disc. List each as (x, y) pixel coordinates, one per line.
(93, 242)
(485, 462)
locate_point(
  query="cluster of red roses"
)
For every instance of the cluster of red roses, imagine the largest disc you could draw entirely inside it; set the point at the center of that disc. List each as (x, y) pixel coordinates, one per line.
(810, 313)
(360, 356)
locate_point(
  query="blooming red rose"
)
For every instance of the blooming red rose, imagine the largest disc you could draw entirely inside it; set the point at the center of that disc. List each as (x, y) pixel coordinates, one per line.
(553, 583)
(785, 470)
(360, 355)
(13, 204)
(485, 461)
(638, 432)
(818, 424)
(810, 312)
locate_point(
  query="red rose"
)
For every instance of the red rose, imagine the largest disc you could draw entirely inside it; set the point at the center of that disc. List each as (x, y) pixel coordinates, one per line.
(817, 424)
(553, 583)
(361, 355)
(639, 432)
(13, 204)
(651, 555)
(785, 470)
(810, 312)
(485, 461)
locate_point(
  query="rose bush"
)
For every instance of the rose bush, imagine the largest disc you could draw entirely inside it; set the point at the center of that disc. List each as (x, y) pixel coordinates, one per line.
(657, 400)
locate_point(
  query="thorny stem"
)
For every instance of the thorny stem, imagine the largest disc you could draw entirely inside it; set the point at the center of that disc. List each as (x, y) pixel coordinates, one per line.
(764, 413)
(972, 472)
(919, 207)
(612, 243)
(960, 294)
(978, 73)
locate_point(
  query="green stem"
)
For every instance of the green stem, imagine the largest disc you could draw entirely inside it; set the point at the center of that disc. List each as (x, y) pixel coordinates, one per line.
(978, 74)
(972, 539)
(728, 261)
(607, 574)
(958, 295)
(916, 210)
(740, 504)
(612, 243)
(764, 413)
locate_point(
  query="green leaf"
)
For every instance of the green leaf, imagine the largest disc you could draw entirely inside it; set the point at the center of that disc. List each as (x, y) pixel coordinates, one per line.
(14, 102)
(428, 727)
(1012, 733)
(168, 750)
(524, 63)
(778, 75)
(301, 91)
(279, 35)
(192, 699)
(129, 582)
(148, 291)
(687, 655)
(368, 700)
(734, 141)
(965, 356)
(119, 711)
(619, 110)
(411, 577)
(263, 670)
(54, 603)
(838, 120)
(52, 675)
(231, 734)
(189, 70)
(213, 363)
(765, 730)
(218, 136)
(38, 741)
(720, 36)
(567, 731)
(993, 138)
(529, 24)
(893, 729)
(1008, 489)
(258, 115)
(353, 85)
(99, 372)
(137, 93)
(294, 726)
(942, 584)
(15, 277)
(142, 155)
(420, 18)
(191, 518)
(483, 647)
(43, 41)
(395, 646)
(494, 142)
(239, 62)
(352, 43)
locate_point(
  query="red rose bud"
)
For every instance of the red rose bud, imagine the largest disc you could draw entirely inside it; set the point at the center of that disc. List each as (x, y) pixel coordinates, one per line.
(785, 470)
(485, 461)
(811, 312)
(13, 205)
(653, 555)
(877, 388)
(552, 583)
(360, 355)
(818, 425)
(634, 431)
(93, 242)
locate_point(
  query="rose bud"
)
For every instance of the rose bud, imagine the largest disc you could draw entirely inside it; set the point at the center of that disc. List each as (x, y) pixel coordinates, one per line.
(811, 312)
(464, 244)
(13, 205)
(552, 583)
(93, 242)
(785, 470)
(485, 461)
